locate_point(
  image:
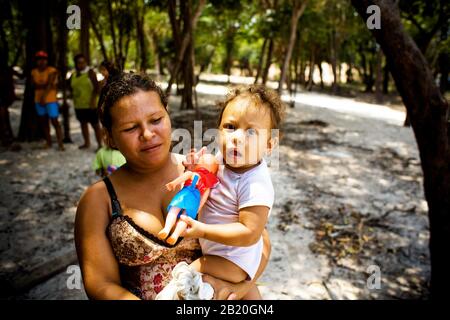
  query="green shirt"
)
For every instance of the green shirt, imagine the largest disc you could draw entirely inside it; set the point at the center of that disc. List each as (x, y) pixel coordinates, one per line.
(82, 89)
(106, 157)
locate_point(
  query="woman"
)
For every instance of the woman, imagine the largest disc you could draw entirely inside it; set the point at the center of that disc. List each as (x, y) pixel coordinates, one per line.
(117, 218)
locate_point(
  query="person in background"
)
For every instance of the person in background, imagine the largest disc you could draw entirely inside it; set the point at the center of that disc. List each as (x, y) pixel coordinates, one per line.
(44, 80)
(107, 160)
(109, 73)
(85, 88)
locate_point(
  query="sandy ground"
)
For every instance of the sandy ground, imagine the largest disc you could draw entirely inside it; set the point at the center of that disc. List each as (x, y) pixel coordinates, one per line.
(348, 195)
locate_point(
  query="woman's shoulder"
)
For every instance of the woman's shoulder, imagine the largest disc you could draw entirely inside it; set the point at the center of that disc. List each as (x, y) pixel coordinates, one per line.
(96, 189)
(94, 199)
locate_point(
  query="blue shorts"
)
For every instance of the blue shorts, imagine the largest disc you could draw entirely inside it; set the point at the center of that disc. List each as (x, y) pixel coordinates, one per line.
(51, 109)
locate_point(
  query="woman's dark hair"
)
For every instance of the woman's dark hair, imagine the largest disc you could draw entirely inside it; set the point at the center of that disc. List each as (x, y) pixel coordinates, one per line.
(124, 85)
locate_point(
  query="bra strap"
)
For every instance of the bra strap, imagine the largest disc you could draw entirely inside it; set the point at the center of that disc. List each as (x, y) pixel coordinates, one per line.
(115, 204)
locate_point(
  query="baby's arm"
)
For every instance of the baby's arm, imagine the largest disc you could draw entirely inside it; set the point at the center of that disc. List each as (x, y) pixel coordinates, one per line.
(244, 233)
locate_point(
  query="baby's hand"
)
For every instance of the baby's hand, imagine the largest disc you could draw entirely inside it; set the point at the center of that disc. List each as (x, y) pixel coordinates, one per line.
(195, 229)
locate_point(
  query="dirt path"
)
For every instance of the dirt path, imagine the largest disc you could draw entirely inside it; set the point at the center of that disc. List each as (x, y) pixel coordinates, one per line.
(348, 195)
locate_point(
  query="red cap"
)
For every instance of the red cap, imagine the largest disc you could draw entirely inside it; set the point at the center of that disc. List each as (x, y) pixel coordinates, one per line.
(41, 54)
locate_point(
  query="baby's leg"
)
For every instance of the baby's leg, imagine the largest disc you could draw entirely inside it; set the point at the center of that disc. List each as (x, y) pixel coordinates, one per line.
(220, 268)
(179, 229)
(170, 221)
(253, 294)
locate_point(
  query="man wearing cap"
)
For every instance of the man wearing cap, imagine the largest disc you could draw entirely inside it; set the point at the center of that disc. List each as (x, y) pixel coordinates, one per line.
(45, 79)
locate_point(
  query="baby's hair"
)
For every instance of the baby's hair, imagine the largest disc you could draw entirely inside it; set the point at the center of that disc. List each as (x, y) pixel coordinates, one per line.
(264, 96)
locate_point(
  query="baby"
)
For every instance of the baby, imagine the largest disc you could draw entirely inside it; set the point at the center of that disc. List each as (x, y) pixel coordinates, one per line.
(233, 218)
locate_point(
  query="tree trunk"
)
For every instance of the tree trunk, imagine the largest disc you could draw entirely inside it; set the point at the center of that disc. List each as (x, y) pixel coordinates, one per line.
(140, 31)
(378, 79)
(187, 63)
(62, 66)
(349, 73)
(186, 39)
(153, 39)
(443, 61)
(428, 111)
(113, 34)
(260, 60)
(84, 31)
(299, 8)
(99, 37)
(36, 20)
(312, 62)
(268, 62)
(319, 65)
(333, 60)
(229, 46)
(302, 72)
(386, 79)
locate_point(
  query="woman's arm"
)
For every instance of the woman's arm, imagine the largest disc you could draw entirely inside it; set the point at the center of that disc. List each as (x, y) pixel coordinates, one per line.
(99, 267)
(244, 233)
(230, 291)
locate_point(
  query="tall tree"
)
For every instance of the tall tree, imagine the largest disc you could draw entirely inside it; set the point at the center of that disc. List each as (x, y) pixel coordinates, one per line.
(36, 21)
(140, 10)
(61, 62)
(183, 39)
(428, 111)
(84, 31)
(297, 10)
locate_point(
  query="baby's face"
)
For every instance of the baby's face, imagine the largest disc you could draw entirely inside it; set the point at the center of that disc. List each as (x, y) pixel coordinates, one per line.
(244, 132)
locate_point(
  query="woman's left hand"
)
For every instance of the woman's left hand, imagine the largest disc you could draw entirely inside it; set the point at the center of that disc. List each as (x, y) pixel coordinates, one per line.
(195, 229)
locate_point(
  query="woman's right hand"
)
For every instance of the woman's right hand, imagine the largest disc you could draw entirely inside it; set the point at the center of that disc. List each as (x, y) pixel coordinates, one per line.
(224, 290)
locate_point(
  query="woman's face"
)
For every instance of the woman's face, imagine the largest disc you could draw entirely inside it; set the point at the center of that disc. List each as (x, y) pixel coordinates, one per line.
(141, 129)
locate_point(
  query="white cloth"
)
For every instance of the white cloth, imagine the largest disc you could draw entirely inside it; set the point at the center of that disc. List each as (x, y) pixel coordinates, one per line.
(234, 192)
(186, 284)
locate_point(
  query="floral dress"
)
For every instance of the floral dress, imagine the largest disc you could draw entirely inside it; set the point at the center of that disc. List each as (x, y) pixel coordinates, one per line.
(145, 261)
